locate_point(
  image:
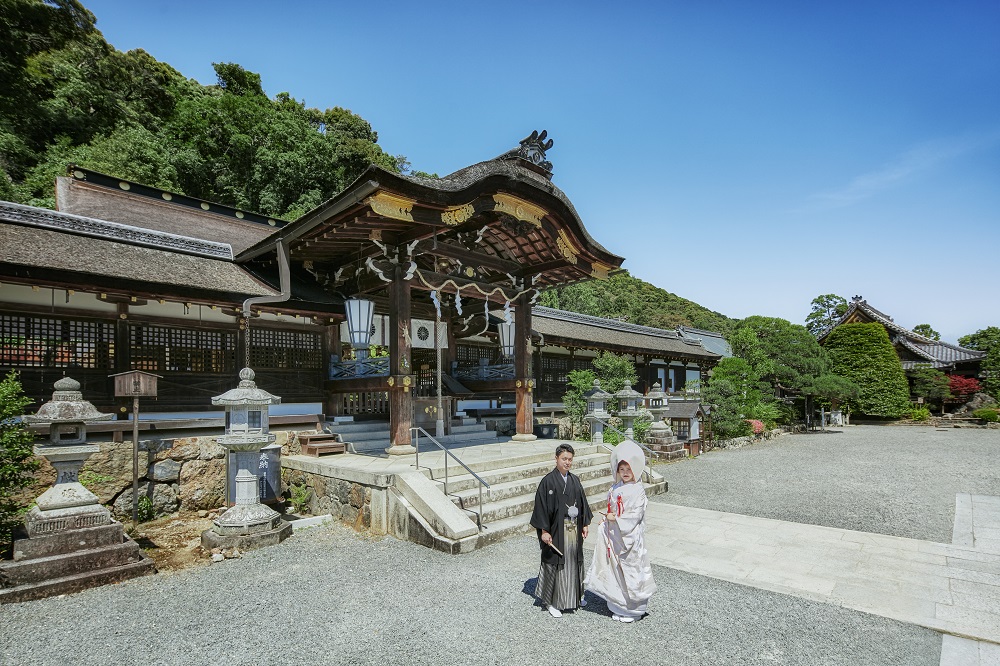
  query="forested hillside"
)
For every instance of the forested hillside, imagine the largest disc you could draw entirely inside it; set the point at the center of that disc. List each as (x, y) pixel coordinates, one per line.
(70, 97)
(635, 301)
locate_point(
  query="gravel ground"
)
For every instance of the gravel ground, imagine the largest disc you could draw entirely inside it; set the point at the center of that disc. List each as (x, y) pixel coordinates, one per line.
(330, 596)
(892, 480)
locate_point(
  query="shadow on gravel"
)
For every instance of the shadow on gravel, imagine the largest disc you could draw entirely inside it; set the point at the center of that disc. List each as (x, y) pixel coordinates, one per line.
(595, 604)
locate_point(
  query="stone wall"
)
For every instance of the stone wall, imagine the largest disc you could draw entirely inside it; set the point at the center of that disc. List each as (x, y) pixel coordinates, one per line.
(182, 474)
(740, 442)
(347, 501)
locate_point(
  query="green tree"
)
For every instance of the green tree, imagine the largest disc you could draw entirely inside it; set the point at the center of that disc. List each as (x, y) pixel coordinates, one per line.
(630, 299)
(833, 389)
(987, 340)
(614, 371)
(785, 355)
(926, 331)
(826, 311)
(930, 384)
(16, 461)
(580, 381)
(733, 391)
(864, 354)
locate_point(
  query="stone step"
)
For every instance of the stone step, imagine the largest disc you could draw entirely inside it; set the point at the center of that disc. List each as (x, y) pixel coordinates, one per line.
(437, 471)
(524, 504)
(69, 564)
(498, 530)
(523, 487)
(76, 582)
(458, 484)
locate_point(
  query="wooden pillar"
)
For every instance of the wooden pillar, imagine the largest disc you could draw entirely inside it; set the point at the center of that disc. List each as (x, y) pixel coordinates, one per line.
(123, 354)
(523, 380)
(401, 378)
(333, 405)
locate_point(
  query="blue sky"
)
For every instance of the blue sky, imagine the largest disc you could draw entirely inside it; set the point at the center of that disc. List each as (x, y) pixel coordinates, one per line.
(748, 156)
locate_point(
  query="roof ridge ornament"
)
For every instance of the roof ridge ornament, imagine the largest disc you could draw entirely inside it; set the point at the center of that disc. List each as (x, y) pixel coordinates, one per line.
(532, 149)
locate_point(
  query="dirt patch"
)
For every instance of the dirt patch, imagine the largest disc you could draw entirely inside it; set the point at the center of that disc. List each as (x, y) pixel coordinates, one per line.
(174, 542)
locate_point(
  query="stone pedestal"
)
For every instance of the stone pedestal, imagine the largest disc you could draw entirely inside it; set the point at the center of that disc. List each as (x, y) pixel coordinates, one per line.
(71, 560)
(660, 439)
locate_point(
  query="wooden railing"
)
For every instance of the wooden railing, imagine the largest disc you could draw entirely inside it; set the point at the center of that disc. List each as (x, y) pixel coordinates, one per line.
(485, 372)
(368, 367)
(363, 402)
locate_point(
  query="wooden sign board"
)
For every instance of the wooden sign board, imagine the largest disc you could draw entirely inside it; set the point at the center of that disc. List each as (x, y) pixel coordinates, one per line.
(135, 384)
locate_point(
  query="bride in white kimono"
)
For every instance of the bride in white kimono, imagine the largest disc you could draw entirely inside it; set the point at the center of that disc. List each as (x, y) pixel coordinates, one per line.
(620, 571)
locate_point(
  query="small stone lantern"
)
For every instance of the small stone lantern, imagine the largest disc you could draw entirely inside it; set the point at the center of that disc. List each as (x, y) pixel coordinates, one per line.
(597, 400)
(660, 437)
(67, 504)
(248, 524)
(628, 403)
(656, 402)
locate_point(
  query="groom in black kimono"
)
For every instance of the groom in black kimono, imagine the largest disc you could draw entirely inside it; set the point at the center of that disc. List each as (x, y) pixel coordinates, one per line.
(561, 517)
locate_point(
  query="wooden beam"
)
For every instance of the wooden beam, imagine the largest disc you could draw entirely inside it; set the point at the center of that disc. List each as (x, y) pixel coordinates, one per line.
(470, 258)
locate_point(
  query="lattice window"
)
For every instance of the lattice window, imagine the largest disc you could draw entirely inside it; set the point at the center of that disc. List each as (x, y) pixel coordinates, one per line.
(285, 349)
(162, 348)
(681, 428)
(555, 369)
(470, 354)
(582, 364)
(38, 342)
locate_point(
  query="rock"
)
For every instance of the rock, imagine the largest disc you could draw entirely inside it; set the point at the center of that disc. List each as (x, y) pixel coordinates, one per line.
(184, 448)
(203, 514)
(209, 449)
(231, 553)
(164, 497)
(166, 470)
(109, 471)
(357, 498)
(202, 484)
(218, 557)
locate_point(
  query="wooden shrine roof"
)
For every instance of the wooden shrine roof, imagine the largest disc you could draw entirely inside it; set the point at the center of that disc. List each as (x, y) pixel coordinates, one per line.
(496, 221)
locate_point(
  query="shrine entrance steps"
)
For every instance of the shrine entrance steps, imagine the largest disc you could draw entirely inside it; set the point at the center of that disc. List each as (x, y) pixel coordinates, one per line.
(508, 503)
(367, 437)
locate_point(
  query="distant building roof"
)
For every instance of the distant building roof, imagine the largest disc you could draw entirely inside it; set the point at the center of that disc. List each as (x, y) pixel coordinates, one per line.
(712, 341)
(914, 349)
(568, 327)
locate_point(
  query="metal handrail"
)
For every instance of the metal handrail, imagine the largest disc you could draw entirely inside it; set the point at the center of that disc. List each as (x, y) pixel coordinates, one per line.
(416, 430)
(647, 459)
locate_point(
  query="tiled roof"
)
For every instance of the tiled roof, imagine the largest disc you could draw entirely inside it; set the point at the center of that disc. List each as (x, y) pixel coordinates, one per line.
(644, 339)
(712, 341)
(682, 409)
(936, 353)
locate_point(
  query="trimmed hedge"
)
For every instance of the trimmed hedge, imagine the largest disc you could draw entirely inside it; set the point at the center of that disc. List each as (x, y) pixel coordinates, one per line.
(864, 354)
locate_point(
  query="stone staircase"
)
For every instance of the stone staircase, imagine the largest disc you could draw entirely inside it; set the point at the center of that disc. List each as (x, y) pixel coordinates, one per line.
(508, 503)
(372, 437)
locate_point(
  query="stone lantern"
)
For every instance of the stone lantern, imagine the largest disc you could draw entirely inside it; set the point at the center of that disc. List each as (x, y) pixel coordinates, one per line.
(72, 542)
(66, 505)
(248, 524)
(660, 437)
(597, 400)
(628, 407)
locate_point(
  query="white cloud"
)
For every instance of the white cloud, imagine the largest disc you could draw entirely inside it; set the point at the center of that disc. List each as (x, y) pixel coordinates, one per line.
(912, 163)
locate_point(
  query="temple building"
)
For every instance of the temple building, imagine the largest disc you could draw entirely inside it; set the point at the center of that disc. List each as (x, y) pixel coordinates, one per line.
(400, 297)
(914, 350)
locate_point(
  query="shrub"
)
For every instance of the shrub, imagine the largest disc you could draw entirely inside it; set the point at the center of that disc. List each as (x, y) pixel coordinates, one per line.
(963, 387)
(757, 426)
(16, 461)
(864, 354)
(988, 415)
(919, 414)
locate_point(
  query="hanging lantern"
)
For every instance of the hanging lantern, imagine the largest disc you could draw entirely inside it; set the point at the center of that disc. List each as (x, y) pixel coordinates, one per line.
(360, 312)
(506, 331)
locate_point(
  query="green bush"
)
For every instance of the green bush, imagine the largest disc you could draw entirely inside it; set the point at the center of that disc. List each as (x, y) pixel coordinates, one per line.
(16, 461)
(919, 414)
(299, 496)
(988, 415)
(863, 354)
(146, 511)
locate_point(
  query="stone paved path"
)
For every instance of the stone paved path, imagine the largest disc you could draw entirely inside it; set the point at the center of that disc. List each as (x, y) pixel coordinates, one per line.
(951, 588)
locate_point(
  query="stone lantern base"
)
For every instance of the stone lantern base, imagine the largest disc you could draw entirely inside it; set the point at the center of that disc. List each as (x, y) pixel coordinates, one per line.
(660, 439)
(64, 561)
(246, 526)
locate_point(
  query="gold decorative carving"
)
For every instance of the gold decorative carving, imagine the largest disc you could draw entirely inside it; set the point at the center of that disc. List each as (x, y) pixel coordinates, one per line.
(392, 381)
(375, 234)
(457, 214)
(566, 247)
(389, 205)
(519, 208)
(599, 271)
